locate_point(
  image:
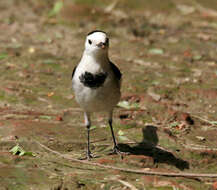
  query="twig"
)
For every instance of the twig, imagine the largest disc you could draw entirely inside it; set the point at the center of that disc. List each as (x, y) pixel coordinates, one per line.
(31, 113)
(205, 120)
(181, 174)
(202, 9)
(75, 109)
(198, 147)
(127, 184)
(110, 7)
(132, 109)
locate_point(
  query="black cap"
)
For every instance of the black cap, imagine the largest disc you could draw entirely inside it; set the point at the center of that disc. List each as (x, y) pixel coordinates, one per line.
(95, 31)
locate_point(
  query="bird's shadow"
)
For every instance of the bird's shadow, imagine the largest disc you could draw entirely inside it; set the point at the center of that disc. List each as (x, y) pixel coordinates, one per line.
(148, 147)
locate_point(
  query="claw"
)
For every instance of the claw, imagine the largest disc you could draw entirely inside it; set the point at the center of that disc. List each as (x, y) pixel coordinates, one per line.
(116, 150)
(88, 156)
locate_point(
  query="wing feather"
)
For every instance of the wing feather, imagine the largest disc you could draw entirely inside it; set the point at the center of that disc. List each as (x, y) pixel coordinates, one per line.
(116, 71)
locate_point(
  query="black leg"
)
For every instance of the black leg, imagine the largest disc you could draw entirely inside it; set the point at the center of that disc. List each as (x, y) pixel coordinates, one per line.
(116, 150)
(113, 136)
(89, 155)
(88, 124)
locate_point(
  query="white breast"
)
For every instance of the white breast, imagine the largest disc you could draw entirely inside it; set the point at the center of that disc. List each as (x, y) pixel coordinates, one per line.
(103, 98)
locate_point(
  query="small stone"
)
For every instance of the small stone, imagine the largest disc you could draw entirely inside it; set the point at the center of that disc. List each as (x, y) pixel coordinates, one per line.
(31, 50)
(200, 138)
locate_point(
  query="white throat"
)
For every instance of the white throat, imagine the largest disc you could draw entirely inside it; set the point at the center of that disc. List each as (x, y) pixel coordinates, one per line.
(96, 57)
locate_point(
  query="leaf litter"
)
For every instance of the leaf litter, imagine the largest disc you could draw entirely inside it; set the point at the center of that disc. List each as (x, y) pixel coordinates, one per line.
(168, 35)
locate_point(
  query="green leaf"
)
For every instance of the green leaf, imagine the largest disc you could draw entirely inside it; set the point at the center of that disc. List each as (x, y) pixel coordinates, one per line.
(134, 105)
(49, 61)
(58, 35)
(120, 132)
(18, 150)
(56, 8)
(3, 56)
(123, 138)
(214, 122)
(125, 104)
(22, 153)
(45, 117)
(30, 154)
(15, 149)
(156, 51)
(197, 57)
(93, 127)
(174, 124)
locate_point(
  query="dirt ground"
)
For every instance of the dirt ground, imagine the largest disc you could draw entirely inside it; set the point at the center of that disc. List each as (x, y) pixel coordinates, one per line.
(167, 52)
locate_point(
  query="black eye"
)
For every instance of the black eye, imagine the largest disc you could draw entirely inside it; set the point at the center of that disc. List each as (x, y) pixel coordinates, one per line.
(89, 41)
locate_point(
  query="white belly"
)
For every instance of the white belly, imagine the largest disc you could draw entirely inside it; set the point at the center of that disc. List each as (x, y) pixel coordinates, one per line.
(99, 99)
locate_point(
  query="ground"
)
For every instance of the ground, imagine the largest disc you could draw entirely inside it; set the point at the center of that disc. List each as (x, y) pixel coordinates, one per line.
(166, 119)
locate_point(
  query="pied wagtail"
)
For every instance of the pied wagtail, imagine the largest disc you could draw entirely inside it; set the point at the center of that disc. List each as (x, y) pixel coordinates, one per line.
(96, 82)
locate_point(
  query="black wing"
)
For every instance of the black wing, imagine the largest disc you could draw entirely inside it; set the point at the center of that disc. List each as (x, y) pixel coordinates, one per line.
(116, 71)
(73, 72)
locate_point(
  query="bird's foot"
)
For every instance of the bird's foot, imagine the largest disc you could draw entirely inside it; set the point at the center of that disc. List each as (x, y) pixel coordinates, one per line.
(116, 150)
(88, 156)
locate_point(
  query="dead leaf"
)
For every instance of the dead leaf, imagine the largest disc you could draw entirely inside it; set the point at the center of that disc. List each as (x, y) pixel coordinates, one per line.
(185, 9)
(50, 94)
(155, 96)
(211, 63)
(59, 118)
(132, 187)
(203, 36)
(162, 183)
(142, 62)
(197, 72)
(187, 53)
(111, 7)
(181, 126)
(214, 185)
(70, 97)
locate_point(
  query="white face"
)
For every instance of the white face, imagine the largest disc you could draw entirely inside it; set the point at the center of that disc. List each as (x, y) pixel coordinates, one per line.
(97, 43)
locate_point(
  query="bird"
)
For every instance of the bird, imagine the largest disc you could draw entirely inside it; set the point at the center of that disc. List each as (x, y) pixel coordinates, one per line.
(96, 83)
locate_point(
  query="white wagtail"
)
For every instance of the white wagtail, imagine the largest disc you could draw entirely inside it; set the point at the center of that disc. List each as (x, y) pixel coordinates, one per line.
(96, 82)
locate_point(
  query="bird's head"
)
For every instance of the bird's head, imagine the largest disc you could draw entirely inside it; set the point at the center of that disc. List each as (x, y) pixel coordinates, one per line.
(97, 43)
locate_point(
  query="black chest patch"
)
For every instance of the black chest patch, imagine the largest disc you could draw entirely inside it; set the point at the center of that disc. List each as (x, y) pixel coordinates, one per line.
(93, 80)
